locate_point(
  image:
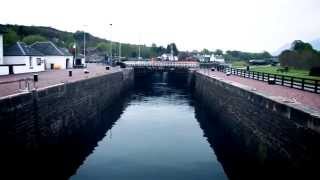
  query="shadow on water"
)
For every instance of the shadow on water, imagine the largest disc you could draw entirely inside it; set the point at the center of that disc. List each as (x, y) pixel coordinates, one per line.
(239, 157)
(60, 160)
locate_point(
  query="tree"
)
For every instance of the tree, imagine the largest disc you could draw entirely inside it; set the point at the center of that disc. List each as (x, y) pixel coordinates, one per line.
(205, 51)
(174, 48)
(299, 45)
(103, 47)
(10, 37)
(218, 52)
(33, 38)
(300, 56)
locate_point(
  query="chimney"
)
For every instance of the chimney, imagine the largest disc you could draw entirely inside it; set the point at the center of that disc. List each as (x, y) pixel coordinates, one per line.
(1, 48)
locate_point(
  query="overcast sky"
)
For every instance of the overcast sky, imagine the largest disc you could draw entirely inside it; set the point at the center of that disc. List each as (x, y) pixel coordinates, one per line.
(249, 25)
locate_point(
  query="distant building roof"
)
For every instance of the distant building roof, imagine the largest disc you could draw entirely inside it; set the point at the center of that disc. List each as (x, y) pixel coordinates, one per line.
(49, 49)
(20, 49)
(65, 51)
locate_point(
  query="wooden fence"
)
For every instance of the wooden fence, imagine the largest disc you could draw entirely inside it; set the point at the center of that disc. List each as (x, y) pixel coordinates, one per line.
(305, 84)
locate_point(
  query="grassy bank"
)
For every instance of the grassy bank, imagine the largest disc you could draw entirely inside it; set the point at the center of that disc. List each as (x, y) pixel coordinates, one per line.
(239, 64)
(292, 72)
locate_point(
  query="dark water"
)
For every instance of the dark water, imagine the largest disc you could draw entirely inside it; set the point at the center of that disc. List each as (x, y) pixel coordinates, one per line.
(157, 136)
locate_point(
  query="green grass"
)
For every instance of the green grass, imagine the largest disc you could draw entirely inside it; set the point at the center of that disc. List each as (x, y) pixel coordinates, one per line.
(239, 64)
(292, 72)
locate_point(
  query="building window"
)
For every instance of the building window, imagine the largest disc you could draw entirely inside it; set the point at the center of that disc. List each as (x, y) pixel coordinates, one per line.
(30, 62)
(39, 61)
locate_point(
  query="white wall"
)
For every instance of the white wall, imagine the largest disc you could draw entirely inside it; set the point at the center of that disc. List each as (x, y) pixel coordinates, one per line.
(4, 70)
(24, 60)
(58, 61)
(1, 49)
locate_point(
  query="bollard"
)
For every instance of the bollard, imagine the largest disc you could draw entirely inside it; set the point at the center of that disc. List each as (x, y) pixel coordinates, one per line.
(70, 73)
(35, 77)
(107, 68)
(271, 81)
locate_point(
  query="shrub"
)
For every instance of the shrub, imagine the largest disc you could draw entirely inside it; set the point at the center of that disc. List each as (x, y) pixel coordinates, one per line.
(315, 71)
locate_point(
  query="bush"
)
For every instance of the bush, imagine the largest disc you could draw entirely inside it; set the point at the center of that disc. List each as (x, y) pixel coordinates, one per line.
(315, 71)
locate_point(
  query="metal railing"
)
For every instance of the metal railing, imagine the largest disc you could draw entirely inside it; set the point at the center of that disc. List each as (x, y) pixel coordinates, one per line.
(162, 64)
(305, 84)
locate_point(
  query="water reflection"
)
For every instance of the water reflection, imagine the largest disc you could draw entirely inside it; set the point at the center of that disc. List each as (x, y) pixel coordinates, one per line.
(157, 137)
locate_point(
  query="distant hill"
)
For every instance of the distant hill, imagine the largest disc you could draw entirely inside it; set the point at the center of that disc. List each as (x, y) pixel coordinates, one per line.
(67, 40)
(315, 44)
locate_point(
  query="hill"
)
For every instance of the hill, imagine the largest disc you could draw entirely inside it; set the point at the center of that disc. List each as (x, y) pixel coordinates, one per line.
(29, 34)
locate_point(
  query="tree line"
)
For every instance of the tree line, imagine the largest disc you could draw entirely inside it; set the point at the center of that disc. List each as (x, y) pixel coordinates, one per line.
(301, 55)
(31, 34)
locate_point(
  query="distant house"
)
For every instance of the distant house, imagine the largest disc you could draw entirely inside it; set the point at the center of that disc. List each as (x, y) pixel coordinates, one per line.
(168, 57)
(21, 58)
(258, 61)
(217, 59)
(55, 57)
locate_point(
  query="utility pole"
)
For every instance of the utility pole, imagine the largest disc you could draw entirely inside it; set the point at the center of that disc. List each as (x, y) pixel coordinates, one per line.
(119, 51)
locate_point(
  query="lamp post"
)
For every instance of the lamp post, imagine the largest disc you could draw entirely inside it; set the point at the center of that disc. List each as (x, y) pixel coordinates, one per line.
(110, 42)
(84, 43)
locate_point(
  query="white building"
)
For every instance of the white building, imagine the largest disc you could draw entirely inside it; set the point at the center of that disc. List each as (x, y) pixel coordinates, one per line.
(217, 58)
(168, 57)
(21, 58)
(55, 58)
(3, 69)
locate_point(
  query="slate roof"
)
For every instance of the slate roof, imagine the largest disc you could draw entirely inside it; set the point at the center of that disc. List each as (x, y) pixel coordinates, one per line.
(20, 49)
(50, 49)
(65, 51)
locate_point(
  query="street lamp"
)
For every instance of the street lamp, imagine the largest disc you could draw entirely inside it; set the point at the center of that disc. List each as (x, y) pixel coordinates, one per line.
(110, 42)
(84, 43)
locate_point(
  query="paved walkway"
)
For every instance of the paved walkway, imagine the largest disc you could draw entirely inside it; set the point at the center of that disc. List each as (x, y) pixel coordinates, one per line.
(307, 98)
(52, 77)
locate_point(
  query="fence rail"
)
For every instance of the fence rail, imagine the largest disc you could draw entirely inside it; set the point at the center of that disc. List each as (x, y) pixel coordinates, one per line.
(305, 84)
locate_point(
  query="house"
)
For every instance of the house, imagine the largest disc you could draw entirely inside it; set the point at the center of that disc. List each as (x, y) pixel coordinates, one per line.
(217, 59)
(3, 69)
(55, 57)
(21, 58)
(168, 57)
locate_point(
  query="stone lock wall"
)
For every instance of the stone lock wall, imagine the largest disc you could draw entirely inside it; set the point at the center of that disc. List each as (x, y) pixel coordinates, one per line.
(274, 133)
(46, 116)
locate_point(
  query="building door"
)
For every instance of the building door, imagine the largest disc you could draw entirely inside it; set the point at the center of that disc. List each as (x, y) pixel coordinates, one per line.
(11, 69)
(67, 63)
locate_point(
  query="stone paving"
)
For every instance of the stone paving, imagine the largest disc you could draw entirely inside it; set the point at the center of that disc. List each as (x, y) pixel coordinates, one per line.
(309, 99)
(51, 77)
